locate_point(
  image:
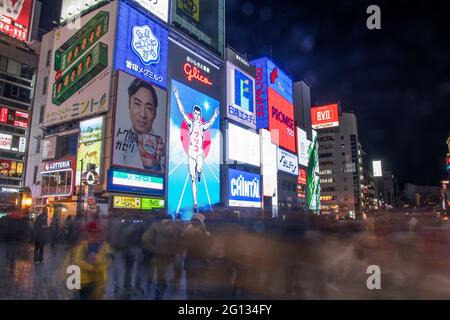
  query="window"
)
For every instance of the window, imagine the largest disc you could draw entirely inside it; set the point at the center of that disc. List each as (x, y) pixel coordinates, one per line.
(57, 183)
(345, 188)
(325, 172)
(27, 71)
(3, 63)
(14, 67)
(38, 145)
(326, 155)
(326, 147)
(326, 180)
(45, 86)
(42, 114)
(49, 56)
(69, 145)
(326, 163)
(36, 168)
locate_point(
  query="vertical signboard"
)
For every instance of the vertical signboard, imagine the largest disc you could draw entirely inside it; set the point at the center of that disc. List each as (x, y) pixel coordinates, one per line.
(313, 177)
(89, 147)
(302, 147)
(142, 46)
(81, 70)
(377, 170)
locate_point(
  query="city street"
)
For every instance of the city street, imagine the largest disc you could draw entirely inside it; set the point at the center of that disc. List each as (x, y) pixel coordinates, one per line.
(275, 264)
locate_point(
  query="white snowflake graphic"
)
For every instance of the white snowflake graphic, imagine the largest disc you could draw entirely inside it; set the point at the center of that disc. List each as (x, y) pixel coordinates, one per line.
(145, 45)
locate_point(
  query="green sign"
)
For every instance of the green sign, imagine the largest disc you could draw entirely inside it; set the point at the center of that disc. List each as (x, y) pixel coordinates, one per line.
(152, 203)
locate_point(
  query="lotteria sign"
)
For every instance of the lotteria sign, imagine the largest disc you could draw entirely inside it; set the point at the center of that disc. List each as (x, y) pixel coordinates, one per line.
(133, 182)
(325, 116)
(244, 189)
(142, 46)
(57, 166)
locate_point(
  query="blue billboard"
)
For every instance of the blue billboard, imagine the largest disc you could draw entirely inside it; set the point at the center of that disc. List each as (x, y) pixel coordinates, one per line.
(279, 81)
(134, 182)
(194, 151)
(244, 189)
(141, 46)
(261, 94)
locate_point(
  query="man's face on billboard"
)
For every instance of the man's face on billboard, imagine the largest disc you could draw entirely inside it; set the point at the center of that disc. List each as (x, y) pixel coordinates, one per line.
(142, 110)
(197, 115)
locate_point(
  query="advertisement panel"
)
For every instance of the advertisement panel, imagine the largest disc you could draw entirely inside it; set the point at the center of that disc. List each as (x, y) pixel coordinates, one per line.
(287, 162)
(203, 20)
(302, 147)
(137, 203)
(13, 117)
(140, 125)
(142, 46)
(133, 182)
(58, 177)
(194, 151)
(72, 8)
(81, 70)
(15, 18)
(244, 189)
(448, 163)
(11, 168)
(240, 96)
(243, 146)
(159, 8)
(313, 178)
(261, 92)
(194, 71)
(269, 164)
(325, 116)
(279, 81)
(89, 147)
(281, 121)
(302, 177)
(377, 170)
(5, 141)
(49, 148)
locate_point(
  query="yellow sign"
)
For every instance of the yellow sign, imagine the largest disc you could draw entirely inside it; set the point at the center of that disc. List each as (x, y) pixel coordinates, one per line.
(126, 202)
(191, 8)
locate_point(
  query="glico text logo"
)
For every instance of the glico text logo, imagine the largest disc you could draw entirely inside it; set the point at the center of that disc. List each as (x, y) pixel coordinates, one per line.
(193, 70)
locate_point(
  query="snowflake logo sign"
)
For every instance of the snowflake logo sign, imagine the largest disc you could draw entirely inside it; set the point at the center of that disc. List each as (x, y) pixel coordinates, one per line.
(145, 45)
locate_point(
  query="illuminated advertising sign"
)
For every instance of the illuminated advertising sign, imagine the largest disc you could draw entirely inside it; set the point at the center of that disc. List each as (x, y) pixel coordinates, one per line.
(5, 141)
(269, 169)
(132, 182)
(58, 177)
(15, 18)
(159, 8)
(11, 168)
(140, 125)
(325, 116)
(261, 92)
(22, 144)
(313, 178)
(194, 151)
(13, 117)
(287, 162)
(243, 145)
(142, 46)
(448, 163)
(203, 20)
(302, 176)
(57, 166)
(377, 170)
(302, 147)
(138, 203)
(279, 81)
(194, 71)
(240, 96)
(244, 189)
(81, 71)
(281, 121)
(90, 147)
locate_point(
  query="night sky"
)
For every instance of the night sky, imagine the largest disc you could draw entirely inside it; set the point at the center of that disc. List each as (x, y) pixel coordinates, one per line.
(396, 80)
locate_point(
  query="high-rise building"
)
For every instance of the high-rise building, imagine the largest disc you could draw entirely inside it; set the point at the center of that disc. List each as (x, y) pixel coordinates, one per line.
(339, 167)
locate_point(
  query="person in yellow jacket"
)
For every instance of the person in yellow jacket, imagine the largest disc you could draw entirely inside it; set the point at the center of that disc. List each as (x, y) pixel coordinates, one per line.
(91, 256)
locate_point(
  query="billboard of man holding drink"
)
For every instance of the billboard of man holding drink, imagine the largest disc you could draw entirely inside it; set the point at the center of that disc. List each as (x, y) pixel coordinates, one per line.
(140, 125)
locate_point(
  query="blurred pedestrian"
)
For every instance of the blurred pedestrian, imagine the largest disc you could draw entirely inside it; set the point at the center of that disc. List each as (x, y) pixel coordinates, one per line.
(161, 239)
(54, 230)
(196, 240)
(69, 230)
(413, 224)
(40, 235)
(91, 255)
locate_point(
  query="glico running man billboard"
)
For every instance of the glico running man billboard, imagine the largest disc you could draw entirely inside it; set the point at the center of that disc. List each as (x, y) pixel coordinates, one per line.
(194, 151)
(81, 71)
(313, 177)
(142, 46)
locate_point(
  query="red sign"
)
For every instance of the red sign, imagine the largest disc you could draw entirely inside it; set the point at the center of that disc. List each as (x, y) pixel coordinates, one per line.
(281, 121)
(3, 115)
(15, 18)
(14, 118)
(325, 116)
(195, 73)
(301, 177)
